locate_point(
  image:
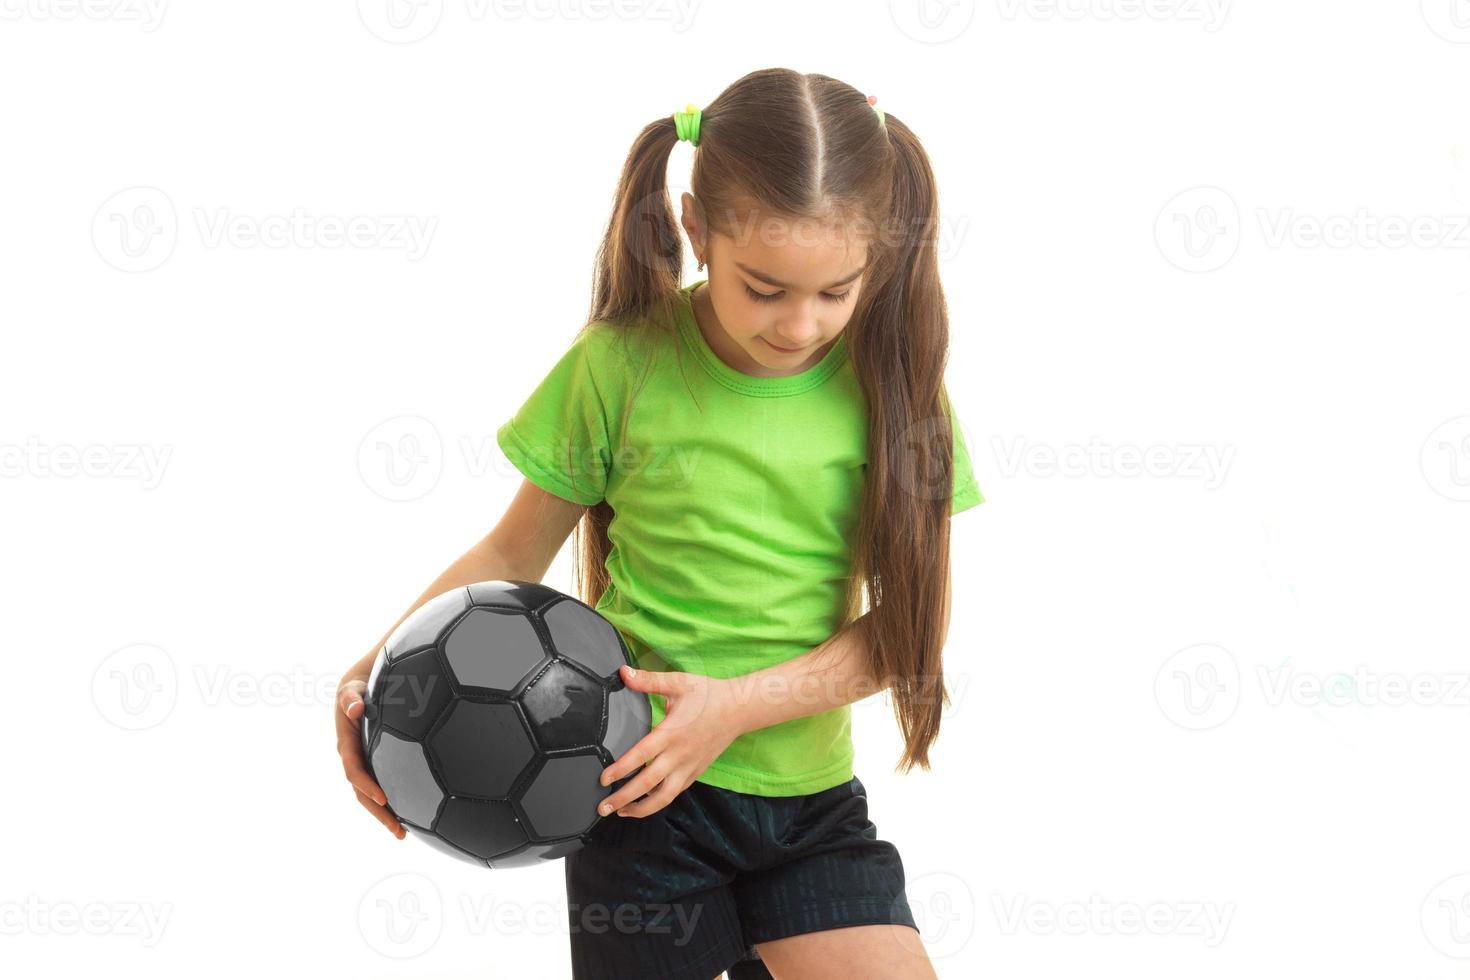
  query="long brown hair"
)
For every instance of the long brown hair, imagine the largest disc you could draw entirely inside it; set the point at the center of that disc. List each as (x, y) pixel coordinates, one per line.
(810, 147)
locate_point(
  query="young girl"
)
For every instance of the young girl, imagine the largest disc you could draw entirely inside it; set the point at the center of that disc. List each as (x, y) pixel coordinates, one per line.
(745, 461)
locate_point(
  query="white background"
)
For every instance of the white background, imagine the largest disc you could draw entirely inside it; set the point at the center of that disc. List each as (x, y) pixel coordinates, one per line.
(1227, 698)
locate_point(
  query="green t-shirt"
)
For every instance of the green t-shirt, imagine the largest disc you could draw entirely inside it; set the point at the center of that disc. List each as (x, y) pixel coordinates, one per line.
(734, 501)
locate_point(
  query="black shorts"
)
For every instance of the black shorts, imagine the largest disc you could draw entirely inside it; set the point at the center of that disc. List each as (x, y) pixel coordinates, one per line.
(688, 891)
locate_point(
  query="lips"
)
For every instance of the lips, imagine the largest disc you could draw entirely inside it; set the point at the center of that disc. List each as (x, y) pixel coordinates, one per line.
(785, 350)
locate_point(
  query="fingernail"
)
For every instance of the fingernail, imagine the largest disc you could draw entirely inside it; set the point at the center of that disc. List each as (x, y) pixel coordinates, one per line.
(604, 809)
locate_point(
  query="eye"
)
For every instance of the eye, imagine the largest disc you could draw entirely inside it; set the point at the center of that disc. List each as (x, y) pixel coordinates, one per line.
(772, 297)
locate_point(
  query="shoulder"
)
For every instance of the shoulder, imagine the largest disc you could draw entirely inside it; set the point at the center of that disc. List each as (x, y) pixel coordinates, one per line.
(614, 347)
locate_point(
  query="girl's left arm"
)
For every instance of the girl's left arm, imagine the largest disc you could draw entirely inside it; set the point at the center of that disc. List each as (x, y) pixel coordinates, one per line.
(826, 677)
(705, 714)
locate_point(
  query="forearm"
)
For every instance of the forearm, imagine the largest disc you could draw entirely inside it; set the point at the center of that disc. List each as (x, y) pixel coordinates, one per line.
(828, 676)
(482, 563)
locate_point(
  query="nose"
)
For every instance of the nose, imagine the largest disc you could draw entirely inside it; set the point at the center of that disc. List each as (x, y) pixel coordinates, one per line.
(799, 331)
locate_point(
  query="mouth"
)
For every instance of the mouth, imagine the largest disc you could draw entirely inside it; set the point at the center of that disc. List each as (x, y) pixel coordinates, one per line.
(784, 350)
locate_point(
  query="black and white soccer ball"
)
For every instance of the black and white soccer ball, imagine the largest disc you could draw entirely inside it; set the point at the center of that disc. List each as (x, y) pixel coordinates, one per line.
(490, 714)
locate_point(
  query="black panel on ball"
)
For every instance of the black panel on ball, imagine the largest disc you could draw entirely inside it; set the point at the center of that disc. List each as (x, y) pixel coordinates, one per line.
(484, 829)
(410, 695)
(514, 593)
(565, 707)
(480, 749)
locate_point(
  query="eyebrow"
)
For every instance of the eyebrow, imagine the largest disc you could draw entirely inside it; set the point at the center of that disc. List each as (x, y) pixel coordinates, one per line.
(772, 281)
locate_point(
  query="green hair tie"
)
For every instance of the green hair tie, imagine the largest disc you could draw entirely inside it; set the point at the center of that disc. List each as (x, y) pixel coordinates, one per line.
(686, 124)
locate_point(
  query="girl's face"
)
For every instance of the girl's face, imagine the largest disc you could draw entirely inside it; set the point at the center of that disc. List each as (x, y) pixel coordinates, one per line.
(779, 296)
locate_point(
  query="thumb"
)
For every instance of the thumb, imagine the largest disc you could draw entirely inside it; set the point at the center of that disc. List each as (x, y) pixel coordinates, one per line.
(649, 681)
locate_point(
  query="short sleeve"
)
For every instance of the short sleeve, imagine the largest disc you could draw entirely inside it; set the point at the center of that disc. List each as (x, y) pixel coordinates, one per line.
(558, 437)
(966, 490)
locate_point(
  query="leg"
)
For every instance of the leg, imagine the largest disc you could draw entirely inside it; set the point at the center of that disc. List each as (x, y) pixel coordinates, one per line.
(876, 952)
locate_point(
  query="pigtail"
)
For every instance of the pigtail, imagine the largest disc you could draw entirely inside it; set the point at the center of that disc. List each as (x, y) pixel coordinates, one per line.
(902, 551)
(637, 275)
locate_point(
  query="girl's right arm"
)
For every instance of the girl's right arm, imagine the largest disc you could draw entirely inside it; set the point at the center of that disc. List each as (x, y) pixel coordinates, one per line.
(521, 547)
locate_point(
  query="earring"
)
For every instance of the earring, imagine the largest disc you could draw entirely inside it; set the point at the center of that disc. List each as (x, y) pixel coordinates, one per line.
(701, 265)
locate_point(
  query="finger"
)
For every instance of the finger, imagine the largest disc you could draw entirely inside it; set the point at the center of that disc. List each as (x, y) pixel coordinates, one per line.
(651, 681)
(644, 782)
(384, 817)
(349, 699)
(661, 797)
(643, 752)
(359, 777)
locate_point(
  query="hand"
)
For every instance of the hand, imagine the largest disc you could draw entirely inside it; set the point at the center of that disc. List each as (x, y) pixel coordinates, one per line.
(701, 720)
(350, 707)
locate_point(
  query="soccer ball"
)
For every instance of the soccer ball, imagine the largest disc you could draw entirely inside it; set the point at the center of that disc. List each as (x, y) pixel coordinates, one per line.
(490, 714)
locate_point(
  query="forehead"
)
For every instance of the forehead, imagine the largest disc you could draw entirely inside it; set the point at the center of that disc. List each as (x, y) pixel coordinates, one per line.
(802, 252)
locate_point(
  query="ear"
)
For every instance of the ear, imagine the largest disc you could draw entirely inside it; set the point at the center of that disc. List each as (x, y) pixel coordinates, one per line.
(690, 218)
